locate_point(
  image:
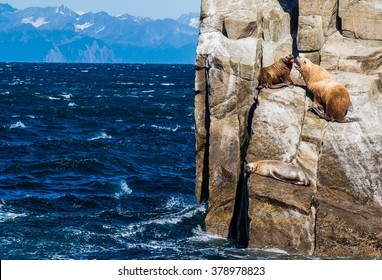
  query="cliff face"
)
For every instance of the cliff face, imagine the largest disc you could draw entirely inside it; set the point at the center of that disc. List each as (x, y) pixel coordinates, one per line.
(340, 214)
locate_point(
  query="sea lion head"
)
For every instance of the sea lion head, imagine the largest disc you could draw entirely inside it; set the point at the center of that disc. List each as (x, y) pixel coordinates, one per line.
(288, 59)
(302, 64)
(250, 168)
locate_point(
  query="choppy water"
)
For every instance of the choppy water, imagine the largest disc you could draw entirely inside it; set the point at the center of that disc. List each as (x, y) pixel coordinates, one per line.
(98, 162)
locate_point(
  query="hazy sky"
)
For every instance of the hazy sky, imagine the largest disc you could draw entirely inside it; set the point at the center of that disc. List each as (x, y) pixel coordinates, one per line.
(146, 8)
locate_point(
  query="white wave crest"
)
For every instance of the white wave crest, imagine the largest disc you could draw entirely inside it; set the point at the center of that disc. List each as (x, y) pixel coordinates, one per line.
(54, 98)
(4, 216)
(186, 212)
(165, 127)
(17, 125)
(202, 236)
(10, 216)
(174, 202)
(66, 96)
(124, 190)
(175, 218)
(103, 135)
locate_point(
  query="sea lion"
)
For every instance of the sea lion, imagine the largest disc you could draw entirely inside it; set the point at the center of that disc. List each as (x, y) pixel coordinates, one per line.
(277, 75)
(279, 170)
(331, 100)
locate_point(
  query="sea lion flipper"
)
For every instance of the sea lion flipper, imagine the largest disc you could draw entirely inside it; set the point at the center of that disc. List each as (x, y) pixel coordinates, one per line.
(279, 177)
(280, 85)
(321, 114)
(300, 183)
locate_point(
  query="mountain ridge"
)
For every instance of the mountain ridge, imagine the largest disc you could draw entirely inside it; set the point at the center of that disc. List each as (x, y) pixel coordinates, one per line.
(59, 34)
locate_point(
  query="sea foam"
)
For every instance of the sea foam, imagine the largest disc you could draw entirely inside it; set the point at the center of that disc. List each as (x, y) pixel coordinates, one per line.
(17, 125)
(124, 190)
(102, 135)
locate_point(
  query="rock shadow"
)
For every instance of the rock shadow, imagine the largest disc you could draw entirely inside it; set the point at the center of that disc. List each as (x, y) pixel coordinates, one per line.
(239, 226)
(204, 192)
(292, 8)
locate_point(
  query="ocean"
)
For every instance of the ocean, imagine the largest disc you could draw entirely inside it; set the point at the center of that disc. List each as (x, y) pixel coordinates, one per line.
(98, 162)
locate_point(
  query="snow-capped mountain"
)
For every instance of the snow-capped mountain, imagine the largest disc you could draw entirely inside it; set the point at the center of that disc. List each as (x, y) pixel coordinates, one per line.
(58, 34)
(191, 19)
(6, 8)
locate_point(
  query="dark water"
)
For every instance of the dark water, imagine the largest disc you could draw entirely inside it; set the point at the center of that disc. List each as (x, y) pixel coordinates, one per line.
(98, 162)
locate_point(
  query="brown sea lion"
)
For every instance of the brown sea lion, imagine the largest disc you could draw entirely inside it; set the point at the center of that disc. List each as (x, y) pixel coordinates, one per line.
(277, 75)
(331, 100)
(279, 170)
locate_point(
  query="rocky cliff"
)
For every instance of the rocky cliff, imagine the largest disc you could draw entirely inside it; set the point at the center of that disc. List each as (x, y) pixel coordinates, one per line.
(340, 214)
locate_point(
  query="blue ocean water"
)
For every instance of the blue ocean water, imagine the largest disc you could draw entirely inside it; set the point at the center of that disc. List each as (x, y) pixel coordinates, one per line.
(97, 161)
